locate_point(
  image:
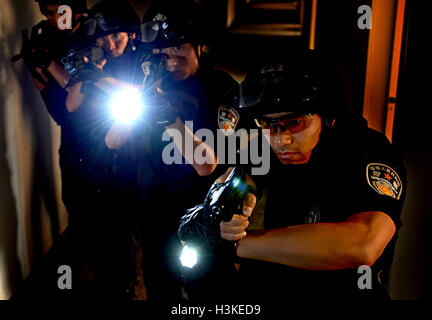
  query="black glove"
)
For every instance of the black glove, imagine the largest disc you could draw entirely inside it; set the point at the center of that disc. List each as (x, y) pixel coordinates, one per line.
(198, 226)
(78, 69)
(195, 226)
(163, 109)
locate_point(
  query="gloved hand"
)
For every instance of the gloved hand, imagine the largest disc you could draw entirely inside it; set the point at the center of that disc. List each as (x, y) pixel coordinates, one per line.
(74, 61)
(164, 108)
(198, 226)
(223, 218)
(87, 72)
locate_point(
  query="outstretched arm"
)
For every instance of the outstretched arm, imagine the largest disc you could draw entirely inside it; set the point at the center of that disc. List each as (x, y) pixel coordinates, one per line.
(359, 240)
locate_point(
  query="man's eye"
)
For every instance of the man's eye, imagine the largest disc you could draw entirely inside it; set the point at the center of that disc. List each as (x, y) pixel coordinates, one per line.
(177, 48)
(291, 124)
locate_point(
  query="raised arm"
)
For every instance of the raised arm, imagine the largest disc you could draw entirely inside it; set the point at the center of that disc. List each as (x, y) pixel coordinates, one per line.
(210, 159)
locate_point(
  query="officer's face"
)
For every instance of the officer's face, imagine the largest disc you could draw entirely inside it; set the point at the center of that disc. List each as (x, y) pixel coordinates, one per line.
(182, 61)
(114, 44)
(52, 15)
(293, 141)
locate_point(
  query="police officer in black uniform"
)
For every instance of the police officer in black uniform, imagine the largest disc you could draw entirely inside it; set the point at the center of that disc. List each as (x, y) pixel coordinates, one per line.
(43, 53)
(44, 49)
(334, 192)
(169, 189)
(104, 218)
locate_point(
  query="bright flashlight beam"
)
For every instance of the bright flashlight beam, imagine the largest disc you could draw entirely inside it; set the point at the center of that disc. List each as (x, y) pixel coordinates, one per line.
(126, 105)
(188, 257)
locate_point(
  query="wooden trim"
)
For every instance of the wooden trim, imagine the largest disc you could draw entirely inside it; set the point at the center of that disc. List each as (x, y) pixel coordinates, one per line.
(394, 74)
(276, 6)
(302, 5)
(271, 29)
(313, 25)
(231, 8)
(378, 63)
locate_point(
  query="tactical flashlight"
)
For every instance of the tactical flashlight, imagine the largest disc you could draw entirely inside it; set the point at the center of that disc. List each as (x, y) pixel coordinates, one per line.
(126, 105)
(189, 256)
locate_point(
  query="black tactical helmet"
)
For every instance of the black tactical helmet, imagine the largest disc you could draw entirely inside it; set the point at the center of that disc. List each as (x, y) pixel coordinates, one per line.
(301, 84)
(112, 16)
(77, 6)
(169, 23)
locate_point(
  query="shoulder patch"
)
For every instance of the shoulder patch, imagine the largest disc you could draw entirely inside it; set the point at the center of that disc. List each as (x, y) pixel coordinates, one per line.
(384, 180)
(228, 119)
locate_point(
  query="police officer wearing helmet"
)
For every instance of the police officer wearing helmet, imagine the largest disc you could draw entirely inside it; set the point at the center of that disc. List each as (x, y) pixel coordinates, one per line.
(43, 50)
(335, 192)
(113, 26)
(117, 25)
(175, 30)
(105, 218)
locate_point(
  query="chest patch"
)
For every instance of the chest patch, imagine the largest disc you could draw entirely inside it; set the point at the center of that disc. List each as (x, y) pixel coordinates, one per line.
(227, 119)
(384, 180)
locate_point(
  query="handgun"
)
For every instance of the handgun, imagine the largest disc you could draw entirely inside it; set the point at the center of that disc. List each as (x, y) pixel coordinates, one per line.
(227, 198)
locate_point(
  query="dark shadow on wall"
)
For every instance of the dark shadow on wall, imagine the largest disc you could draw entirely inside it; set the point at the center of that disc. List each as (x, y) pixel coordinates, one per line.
(8, 210)
(36, 118)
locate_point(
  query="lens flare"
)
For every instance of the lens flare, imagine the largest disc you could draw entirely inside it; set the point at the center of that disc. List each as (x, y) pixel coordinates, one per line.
(126, 105)
(236, 182)
(188, 257)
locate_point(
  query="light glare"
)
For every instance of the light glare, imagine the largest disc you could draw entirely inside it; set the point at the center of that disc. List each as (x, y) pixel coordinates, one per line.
(126, 105)
(188, 257)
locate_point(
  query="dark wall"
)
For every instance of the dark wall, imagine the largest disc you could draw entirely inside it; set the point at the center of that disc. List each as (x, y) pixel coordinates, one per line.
(412, 137)
(342, 41)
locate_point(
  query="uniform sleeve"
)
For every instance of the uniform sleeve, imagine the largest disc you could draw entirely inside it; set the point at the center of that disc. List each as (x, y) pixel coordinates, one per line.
(383, 180)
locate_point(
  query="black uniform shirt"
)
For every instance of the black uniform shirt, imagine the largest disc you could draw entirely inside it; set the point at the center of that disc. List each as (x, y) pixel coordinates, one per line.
(353, 169)
(100, 170)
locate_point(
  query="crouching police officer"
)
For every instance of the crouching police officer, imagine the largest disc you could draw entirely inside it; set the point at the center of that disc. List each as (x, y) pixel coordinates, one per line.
(335, 191)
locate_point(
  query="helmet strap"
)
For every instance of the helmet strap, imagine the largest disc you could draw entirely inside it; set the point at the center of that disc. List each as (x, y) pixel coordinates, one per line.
(327, 121)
